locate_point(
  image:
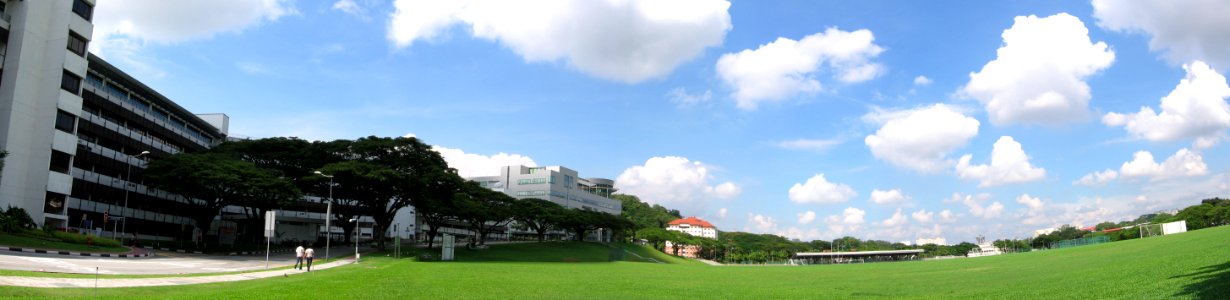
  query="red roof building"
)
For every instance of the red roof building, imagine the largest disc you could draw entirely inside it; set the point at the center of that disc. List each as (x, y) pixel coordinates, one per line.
(691, 226)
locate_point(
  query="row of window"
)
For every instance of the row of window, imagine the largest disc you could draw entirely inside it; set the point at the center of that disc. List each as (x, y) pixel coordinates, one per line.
(141, 105)
(532, 181)
(531, 193)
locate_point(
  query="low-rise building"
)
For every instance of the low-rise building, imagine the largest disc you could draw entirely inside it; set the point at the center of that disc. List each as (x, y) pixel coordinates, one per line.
(692, 226)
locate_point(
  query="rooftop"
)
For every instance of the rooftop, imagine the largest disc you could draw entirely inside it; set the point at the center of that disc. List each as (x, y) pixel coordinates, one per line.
(693, 221)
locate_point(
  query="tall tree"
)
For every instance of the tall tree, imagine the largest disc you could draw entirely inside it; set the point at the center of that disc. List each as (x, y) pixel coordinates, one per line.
(435, 206)
(208, 181)
(483, 209)
(538, 215)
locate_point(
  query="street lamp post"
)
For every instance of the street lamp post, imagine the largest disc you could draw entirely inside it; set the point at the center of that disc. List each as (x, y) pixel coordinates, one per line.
(129, 184)
(356, 239)
(328, 215)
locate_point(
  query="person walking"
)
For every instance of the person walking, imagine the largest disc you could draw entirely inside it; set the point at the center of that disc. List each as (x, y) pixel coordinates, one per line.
(299, 257)
(309, 253)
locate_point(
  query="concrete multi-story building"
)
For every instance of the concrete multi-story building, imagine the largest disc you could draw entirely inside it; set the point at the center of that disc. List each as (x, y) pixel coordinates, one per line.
(76, 127)
(692, 226)
(43, 59)
(556, 184)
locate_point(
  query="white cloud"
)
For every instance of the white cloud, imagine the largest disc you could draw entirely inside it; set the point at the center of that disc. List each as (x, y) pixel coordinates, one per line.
(348, 6)
(722, 213)
(923, 216)
(1097, 178)
(785, 67)
(932, 240)
(682, 98)
(761, 223)
(626, 41)
(892, 196)
(849, 216)
(1196, 108)
(920, 139)
(675, 182)
(819, 190)
(1009, 164)
(947, 216)
(1039, 74)
(472, 165)
(974, 203)
(897, 219)
(252, 68)
(123, 28)
(922, 81)
(809, 144)
(806, 217)
(1184, 163)
(1034, 203)
(1186, 31)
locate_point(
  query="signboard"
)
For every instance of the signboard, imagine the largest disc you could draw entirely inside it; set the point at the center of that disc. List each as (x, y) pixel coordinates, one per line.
(1174, 227)
(446, 249)
(270, 222)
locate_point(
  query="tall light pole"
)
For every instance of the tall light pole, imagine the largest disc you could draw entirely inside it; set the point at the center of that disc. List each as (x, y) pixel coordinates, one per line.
(356, 239)
(128, 185)
(328, 215)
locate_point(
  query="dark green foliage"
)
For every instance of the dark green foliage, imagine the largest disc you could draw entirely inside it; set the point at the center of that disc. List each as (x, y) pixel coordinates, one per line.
(15, 219)
(538, 215)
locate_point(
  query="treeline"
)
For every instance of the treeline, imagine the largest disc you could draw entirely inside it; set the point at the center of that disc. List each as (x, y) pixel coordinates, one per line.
(1209, 213)
(371, 176)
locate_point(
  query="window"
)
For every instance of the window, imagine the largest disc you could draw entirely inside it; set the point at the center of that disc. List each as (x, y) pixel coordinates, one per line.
(65, 121)
(85, 10)
(77, 44)
(70, 82)
(55, 203)
(60, 161)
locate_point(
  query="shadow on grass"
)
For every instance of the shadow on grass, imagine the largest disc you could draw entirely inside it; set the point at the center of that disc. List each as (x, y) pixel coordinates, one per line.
(1211, 282)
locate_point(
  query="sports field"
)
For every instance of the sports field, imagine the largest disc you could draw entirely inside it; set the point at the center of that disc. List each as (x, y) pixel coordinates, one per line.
(1189, 265)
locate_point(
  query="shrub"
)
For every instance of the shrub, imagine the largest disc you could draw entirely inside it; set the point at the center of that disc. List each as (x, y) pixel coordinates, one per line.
(15, 220)
(85, 239)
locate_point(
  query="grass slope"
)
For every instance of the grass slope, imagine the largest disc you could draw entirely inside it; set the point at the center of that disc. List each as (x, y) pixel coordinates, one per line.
(1190, 265)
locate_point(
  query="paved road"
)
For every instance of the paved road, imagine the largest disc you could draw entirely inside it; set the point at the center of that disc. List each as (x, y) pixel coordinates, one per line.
(51, 282)
(161, 263)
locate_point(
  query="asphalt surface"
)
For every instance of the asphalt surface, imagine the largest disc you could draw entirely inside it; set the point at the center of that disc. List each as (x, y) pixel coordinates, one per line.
(162, 262)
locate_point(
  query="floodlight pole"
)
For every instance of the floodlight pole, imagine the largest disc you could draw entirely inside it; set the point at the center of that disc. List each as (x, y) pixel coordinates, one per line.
(328, 215)
(128, 184)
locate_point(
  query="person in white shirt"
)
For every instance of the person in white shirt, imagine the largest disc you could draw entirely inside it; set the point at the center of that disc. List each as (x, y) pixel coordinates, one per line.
(299, 257)
(309, 254)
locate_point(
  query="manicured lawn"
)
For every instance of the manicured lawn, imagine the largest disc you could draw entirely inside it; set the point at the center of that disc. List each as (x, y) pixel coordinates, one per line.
(1189, 265)
(45, 243)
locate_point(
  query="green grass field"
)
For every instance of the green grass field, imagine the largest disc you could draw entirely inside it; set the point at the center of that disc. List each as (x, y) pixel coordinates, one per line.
(1194, 265)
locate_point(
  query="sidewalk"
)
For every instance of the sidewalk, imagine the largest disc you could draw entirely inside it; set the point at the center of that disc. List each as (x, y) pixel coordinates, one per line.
(134, 253)
(51, 282)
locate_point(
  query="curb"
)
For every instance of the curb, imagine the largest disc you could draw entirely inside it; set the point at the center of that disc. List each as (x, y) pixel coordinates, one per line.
(173, 250)
(70, 253)
(259, 252)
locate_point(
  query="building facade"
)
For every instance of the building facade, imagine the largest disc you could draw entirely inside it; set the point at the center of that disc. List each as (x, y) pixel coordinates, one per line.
(79, 131)
(692, 226)
(556, 184)
(43, 59)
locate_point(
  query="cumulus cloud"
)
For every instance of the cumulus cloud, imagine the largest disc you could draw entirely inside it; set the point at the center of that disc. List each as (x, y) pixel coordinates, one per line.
(626, 41)
(923, 216)
(1038, 76)
(974, 203)
(922, 81)
(819, 190)
(349, 7)
(947, 216)
(786, 67)
(123, 28)
(760, 223)
(817, 145)
(1009, 164)
(852, 216)
(1195, 109)
(1184, 163)
(892, 196)
(675, 182)
(1034, 203)
(806, 217)
(1096, 179)
(722, 213)
(1185, 31)
(682, 98)
(473, 165)
(897, 219)
(920, 139)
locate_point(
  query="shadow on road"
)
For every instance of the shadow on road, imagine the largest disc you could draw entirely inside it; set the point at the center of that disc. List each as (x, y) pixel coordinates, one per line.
(1211, 282)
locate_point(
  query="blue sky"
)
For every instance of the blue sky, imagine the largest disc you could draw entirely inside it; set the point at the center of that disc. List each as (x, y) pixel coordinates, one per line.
(808, 119)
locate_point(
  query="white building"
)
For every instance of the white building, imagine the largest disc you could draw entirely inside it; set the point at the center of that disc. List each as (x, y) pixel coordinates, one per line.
(985, 248)
(556, 184)
(692, 226)
(42, 63)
